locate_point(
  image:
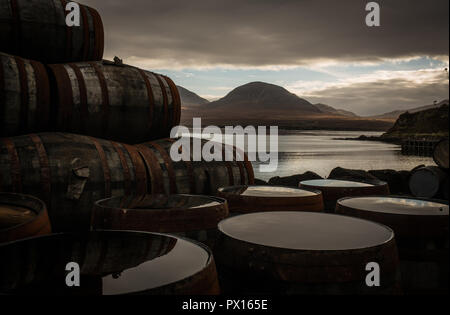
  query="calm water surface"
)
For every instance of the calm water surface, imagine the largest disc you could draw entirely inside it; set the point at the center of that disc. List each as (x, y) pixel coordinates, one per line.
(319, 152)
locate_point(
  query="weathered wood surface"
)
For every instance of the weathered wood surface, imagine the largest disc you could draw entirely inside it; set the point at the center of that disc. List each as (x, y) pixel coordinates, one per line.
(37, 29)
(98, 99)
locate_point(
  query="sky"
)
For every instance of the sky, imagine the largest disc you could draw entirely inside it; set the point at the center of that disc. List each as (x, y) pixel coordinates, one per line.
(321, 50)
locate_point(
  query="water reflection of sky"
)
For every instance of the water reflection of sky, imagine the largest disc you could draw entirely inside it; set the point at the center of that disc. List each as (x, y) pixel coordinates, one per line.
(396, 206)
(320, 152)
(305, 231)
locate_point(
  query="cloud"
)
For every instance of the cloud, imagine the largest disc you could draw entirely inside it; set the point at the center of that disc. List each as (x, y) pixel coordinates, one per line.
(168, 34)
(378, 92)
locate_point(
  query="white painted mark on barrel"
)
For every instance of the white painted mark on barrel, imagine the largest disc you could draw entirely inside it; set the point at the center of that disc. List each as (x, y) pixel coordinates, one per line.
(73, 277)
(373, 278)
(73, 17)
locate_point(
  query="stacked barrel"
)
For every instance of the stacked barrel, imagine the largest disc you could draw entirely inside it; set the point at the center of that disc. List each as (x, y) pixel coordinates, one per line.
(84, 149)
(76, 129)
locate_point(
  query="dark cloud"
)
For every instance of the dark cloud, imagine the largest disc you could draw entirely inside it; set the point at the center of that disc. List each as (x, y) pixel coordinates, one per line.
(277, 32)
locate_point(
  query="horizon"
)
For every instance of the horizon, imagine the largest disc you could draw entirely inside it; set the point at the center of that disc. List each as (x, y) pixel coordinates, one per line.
(321, 51)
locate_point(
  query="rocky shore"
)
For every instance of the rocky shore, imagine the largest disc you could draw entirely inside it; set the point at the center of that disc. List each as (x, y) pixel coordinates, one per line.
(398, 180)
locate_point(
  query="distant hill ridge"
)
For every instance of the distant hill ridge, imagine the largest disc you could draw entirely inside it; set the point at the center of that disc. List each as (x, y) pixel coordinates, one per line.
(189, 98)
(263, 96)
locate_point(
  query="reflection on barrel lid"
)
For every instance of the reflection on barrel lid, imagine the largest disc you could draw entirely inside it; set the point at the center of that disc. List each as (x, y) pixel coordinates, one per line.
(334, 183)
(160, 201)
(396, 205)
(122, 262)
(306, 231)
(266, 191)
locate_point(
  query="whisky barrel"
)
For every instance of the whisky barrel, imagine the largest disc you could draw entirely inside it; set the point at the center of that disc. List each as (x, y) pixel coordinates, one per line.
(195, 217)
(114, 102)
(304, 253)
(22, 216)
(37, 29)
(333, 190)
(427, 182)
(192, 176)
(440, 154)
(69, 173)
(248, 199)
(422, 233)
(112, 262)
(24, 96)
(98, 99)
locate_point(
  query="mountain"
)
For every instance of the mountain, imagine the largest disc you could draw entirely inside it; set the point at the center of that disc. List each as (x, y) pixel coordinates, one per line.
(264, 104)
(429, 123)
(396, 114)
(327, 109)
(189, 98)
(262, 97)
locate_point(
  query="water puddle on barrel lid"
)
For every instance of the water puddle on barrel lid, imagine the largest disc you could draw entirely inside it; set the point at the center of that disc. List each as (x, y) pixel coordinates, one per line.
(394, 205)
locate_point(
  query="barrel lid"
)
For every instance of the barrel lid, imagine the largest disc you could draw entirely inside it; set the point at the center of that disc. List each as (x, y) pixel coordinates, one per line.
(18, 209)
(267, 191)
(123, 262)
(396, 205)
(334, 183)
(159, 213)
(306, 231)
(165, 202)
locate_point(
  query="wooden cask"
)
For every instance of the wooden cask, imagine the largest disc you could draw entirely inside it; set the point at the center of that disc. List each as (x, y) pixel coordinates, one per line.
(114, 102)
(22, 216)
(24, 96)
(248, 199)
(422, 233)
(192, 177)
(304, 253)
(98, 99)
(333, 190)
(69, 173)
(111, 263)
(37, 29)
(427, 182)
(195, 217)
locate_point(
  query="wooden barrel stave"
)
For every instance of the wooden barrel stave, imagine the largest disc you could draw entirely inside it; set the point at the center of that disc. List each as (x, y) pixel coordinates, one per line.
(55, 42)
(24, 95)
(46, 166)
(195, 217)
(332, 194)
(239, 203)
(248, 267)
(190, 177)
(440, 154)
(105, 256)
(422, 241)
